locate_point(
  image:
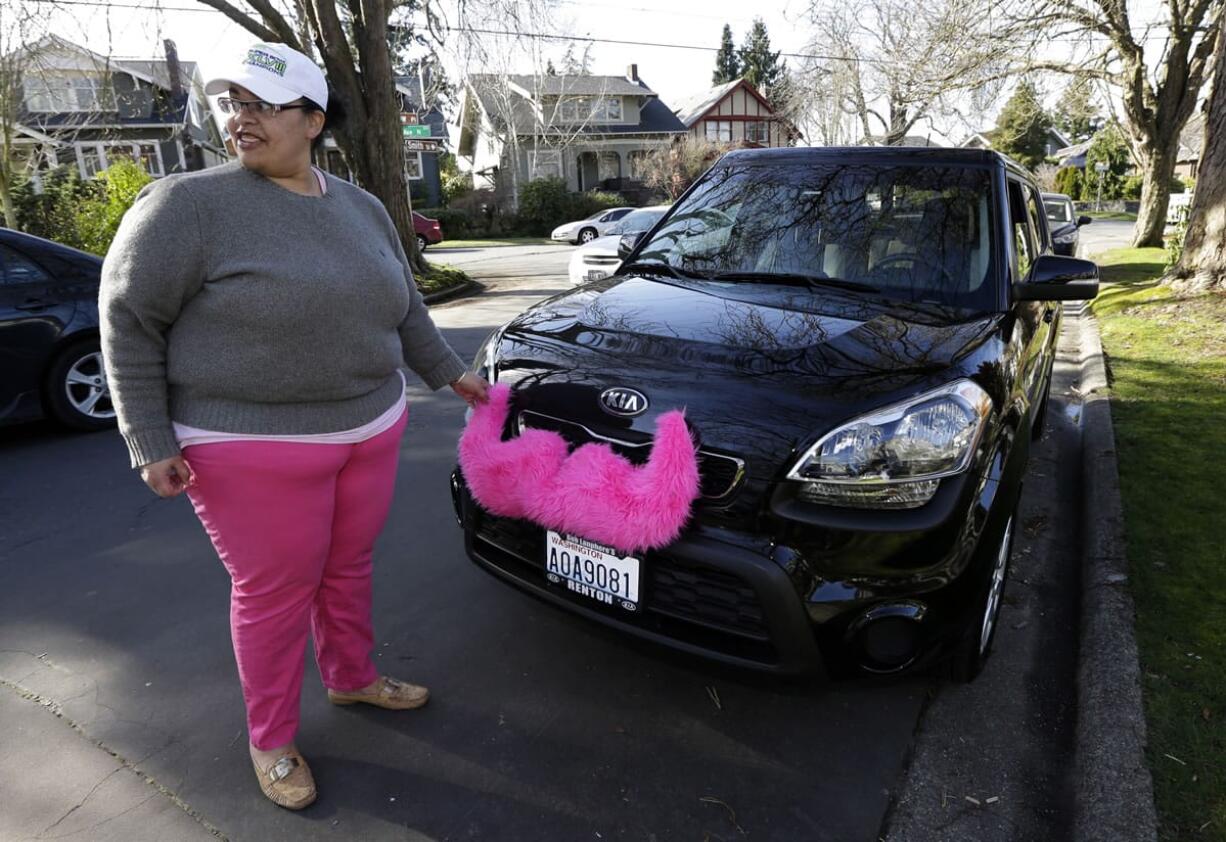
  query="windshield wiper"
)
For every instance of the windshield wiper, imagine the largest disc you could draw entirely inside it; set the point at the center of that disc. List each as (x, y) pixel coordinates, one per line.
(655, 267)
(795, 278)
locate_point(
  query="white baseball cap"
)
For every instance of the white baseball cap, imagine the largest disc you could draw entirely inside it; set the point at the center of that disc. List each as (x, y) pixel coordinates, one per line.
(275, 73)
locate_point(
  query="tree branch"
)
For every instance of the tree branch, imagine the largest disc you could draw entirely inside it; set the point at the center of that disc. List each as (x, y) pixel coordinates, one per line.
(242, 19)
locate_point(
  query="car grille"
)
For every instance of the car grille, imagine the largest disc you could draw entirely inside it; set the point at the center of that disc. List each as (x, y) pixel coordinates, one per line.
(720, 475)
(700, 605)
(601, 260)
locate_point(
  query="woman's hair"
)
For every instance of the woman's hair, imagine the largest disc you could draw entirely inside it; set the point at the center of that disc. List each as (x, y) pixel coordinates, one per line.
(334, 116)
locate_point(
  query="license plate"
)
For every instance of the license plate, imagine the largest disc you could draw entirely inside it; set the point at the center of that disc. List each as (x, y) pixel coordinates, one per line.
(596, 275)
(592, 570)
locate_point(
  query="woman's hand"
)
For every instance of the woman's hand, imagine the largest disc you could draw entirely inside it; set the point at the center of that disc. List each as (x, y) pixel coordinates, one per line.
(471, 388)
(169, 477)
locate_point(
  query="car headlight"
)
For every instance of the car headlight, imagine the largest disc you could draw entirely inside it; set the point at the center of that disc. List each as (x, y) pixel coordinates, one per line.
(485, 363)
(894, 458)
(1067, 238)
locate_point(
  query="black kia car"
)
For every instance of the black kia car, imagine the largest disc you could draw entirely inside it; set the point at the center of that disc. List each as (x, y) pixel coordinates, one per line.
(863, 342)
(50, 358)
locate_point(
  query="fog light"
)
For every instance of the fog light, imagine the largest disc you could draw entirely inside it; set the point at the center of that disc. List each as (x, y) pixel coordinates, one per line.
(888, 636)
(892, 495)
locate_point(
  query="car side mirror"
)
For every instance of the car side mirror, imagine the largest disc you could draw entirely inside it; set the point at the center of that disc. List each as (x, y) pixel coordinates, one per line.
(1084, 220)
(627, 244)
(1056, 278)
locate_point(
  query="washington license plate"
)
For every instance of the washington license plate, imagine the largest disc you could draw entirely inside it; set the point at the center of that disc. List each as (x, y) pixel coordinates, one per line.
(592, 570)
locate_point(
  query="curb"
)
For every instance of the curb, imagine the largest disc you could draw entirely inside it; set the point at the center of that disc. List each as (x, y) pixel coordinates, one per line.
(465, 289)
(1115, 795)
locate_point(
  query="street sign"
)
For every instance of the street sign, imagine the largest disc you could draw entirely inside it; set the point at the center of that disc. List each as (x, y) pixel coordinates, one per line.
(1100, 166)
(414, 130)
(408, 118)
(422, 146)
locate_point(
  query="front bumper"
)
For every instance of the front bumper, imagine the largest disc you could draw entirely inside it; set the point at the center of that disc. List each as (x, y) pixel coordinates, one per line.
(756, 601)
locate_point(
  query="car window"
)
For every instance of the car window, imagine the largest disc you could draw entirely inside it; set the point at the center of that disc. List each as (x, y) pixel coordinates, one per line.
(1059, 211)
(17, 269)
(1025, 247)
(1034, 208)
(921, 232)
(636, 221)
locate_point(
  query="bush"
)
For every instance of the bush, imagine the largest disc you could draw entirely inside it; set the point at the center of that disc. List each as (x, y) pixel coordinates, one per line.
(544, 203)
(1069, 181)
(456, 224)
(455, 183)
(584, 205)
(78, 213)
(1174, 243)
(1132, 187)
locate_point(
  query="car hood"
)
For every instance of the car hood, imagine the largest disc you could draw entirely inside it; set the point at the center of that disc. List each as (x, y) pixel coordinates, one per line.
(761, 371)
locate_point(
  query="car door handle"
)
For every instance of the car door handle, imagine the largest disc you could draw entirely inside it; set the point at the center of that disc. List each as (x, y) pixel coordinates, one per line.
(35, 304)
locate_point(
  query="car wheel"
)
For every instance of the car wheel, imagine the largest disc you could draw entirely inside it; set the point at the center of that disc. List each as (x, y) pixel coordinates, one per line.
(421, 243)
(587, 235)
(973, 649)
(76, 391)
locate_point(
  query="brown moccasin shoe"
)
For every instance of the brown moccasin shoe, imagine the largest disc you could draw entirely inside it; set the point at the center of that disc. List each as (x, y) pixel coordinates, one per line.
(287, 782)
(388, 693)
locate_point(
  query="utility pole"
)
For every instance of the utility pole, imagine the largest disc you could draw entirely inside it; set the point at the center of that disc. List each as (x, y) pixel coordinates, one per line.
(1100, 167)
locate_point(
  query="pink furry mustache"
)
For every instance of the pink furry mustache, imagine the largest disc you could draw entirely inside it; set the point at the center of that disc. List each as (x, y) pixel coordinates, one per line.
(592, 492)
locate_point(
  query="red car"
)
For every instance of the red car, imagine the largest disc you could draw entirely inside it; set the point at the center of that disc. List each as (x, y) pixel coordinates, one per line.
(427, 230)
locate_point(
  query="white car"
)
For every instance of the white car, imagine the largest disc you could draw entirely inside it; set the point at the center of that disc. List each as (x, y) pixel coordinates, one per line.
(598, 259)
(586, 230)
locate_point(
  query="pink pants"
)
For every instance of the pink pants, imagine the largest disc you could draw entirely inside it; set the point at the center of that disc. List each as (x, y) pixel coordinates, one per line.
(295, 525)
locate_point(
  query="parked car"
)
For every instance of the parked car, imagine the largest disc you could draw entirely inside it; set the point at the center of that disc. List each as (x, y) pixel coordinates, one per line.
(586, 230)
(50, 357)
(428, 231)
(598, 259)
(1063, 221)
(863, 342)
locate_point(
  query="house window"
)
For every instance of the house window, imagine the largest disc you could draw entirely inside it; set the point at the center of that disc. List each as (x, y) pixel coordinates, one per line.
(582, 109)
(94, 157)
(609, 165)
(757, 131)
(53, 94)
(545, 164)
(412, 166)
(719, 131)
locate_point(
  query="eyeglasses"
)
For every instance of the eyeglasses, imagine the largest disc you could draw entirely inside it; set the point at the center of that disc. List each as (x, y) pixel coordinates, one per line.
(230, 105)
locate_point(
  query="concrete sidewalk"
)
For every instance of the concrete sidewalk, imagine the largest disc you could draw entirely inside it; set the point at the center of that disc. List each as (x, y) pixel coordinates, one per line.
(56, 783)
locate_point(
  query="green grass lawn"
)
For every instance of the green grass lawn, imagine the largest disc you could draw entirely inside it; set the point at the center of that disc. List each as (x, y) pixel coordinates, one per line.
(1166, 354)
(498, 241)
(438, 277)
(1122, 216)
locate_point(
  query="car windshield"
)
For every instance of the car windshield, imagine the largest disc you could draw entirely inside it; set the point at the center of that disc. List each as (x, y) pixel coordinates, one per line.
(639, 220)
(1059, 211)
(916, 232)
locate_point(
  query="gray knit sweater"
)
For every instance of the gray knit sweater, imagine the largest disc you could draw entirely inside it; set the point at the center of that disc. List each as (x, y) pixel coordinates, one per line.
(233, 304)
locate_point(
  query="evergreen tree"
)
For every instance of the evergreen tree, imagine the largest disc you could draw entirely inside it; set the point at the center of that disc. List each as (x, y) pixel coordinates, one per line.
(1076, 114)
(727, 65)
(1022, 127)
(759, 65)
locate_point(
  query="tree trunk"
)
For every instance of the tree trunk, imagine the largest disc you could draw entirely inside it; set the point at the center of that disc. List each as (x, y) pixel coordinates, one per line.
(1203, 261)
(1157, 170)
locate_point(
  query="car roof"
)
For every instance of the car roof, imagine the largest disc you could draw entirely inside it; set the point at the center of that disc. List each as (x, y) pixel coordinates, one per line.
(881, 154)
(20, 239)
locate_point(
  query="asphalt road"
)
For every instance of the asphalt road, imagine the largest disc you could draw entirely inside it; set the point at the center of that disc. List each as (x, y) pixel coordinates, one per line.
(1102, 235)
(538, 262)
(539, 727)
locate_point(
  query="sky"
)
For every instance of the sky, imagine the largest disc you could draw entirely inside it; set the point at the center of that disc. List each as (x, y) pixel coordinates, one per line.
(674, 72)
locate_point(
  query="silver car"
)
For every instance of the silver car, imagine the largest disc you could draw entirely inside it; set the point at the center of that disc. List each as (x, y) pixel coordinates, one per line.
(598, 259)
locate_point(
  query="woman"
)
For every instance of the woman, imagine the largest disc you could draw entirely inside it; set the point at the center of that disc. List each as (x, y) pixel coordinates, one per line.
(255, 318)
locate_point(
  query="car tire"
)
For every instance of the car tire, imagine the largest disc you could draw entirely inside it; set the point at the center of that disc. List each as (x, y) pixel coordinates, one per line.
(975, 645)
(586, 236)
(75, 392)
(421, 243)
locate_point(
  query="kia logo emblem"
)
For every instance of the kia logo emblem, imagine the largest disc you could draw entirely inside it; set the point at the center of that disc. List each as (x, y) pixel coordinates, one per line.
(624, 402)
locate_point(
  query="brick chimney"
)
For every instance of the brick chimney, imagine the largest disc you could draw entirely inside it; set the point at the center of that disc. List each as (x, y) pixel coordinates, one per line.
(632, 73)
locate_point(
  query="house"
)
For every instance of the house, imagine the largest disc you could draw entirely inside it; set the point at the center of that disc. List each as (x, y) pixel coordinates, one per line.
(422, 170)
(1056, 140)
(1187, 162)
(735, 112)
(595, 132)
(82, 109)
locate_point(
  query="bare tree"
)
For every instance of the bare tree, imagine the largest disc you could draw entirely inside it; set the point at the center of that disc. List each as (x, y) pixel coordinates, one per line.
(1203, 262)
(1158, 93)
(893, 63)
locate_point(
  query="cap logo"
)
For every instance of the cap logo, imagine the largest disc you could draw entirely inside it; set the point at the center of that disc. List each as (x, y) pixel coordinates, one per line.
(266, 61)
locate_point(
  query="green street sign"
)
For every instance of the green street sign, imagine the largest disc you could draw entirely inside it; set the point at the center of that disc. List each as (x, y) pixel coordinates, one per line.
(415, 131)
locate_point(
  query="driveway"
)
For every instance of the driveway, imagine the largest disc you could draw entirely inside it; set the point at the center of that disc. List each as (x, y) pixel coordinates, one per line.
(114, 613)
